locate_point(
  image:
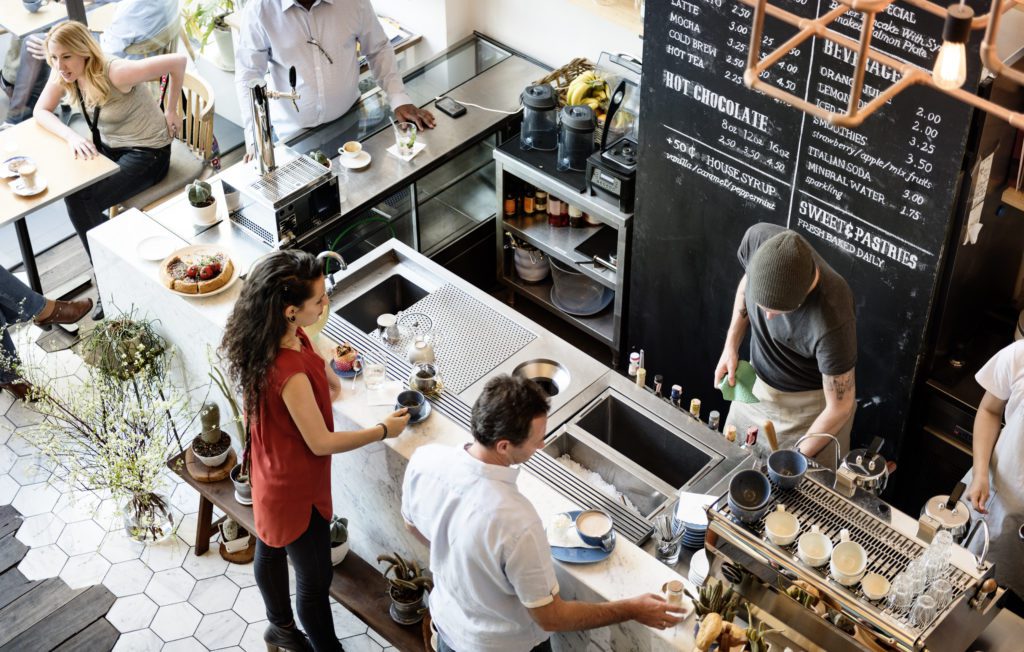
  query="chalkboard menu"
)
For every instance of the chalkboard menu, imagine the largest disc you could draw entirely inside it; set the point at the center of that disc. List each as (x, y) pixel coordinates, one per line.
(876, 202)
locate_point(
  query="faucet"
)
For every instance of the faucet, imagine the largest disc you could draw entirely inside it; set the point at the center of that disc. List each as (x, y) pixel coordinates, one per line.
(259, 106)
(336, 257)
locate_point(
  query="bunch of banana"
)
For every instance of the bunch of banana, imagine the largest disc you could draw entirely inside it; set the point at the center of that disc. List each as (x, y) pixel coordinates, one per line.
(589, 89)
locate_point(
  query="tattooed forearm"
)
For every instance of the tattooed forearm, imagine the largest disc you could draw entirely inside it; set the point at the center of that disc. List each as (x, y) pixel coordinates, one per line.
(840, 386)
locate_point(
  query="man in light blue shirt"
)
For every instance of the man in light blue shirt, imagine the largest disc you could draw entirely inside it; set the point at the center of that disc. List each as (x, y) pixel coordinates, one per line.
(494, 580)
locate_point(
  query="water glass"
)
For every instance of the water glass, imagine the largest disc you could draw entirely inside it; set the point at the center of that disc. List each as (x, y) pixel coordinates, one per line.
(667, 552)
(942, 591)
(374, 375)
(405, 138)
(935, 563)
(901, 593)
(942, 544)
(916, 575)
(924, 611)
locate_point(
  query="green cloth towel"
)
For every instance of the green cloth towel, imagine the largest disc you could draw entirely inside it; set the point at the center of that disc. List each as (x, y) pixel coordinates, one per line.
(743, 391)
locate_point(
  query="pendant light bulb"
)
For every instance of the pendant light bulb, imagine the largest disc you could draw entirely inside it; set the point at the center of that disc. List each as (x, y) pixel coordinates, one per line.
(950, 69)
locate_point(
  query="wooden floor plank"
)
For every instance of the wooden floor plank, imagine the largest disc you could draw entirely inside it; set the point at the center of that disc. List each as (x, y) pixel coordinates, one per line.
(12, 551)
(13, 585)
(100, 636)
(10, 520)
(49, 596)
(62, 624)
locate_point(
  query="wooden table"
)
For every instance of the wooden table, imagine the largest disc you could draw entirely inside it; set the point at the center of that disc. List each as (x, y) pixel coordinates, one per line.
(21, 22)
(63, 174)
(357, 585)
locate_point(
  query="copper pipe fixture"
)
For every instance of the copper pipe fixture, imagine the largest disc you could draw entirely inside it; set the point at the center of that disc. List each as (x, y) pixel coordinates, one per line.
(909, 74)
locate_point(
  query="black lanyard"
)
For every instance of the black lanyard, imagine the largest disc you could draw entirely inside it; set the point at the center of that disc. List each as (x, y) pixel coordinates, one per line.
(94, 123)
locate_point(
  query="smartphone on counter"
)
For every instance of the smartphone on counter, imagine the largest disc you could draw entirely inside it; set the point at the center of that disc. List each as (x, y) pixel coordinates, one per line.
(450, 107)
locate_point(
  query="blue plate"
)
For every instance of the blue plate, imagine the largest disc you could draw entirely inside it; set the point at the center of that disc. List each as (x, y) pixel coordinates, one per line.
(582, 555)
(349, 374)
(423, 415)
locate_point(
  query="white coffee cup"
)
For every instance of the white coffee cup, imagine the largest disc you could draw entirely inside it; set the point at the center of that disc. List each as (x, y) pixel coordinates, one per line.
(849, 560)
(781, 526)
(351, 149)
(27, 172)
(814, 548)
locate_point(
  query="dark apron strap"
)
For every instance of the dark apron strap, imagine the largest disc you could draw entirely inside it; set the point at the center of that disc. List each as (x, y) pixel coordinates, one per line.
(94, 123)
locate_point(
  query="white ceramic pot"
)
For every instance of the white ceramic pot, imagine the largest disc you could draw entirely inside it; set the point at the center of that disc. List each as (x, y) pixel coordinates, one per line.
(239, 544)
(338, 553)
(204, 215)
(214, 461)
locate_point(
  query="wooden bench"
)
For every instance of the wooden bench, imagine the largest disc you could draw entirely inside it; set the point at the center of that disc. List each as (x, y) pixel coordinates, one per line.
(357, 585)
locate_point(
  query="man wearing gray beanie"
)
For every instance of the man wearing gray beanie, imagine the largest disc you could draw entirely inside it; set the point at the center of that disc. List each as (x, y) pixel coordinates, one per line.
(803, 341)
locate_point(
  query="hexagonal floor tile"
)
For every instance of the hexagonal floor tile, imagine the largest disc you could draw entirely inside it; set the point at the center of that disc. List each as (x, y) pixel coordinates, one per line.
(361, 643)
(40, 530)
(6, 401)
(21, 445)
(132, 613)
(184, 645)
(214, 594)
(380, 640)
(210, 564)
(345, 622)
(8, 489)
(127, 578)
(31, 469)
(75, 506)
(170, 586)
(82, 537)
(252, 639)
(41, 563)
(241, 574)
(187, 528)
(221, 629)
(35, 499)
(249, 605)
(117, 546)
(166, 554)
(84, 570)
(185, 498)
(143, 640)
(7, 458)
(176, 621)
(22, 414)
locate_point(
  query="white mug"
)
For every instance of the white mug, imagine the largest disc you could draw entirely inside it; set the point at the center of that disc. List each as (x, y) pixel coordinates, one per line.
(351, 149)
(781, 526)
(849, 560)
(814, 548)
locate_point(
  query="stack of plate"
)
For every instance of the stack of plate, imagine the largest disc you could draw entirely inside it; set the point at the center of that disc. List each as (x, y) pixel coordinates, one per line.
(699, 568)
(694, 536)
(690, 513)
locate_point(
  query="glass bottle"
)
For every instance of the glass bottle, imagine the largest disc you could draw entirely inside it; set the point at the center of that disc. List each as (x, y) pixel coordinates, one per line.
(540, 203)
(695, 408)
(554, 211)
(575, 217)
(510, 202)
(528, 200)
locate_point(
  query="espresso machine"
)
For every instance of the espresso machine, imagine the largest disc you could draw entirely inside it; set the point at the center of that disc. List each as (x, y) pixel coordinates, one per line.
(280, 204)
(847, 620)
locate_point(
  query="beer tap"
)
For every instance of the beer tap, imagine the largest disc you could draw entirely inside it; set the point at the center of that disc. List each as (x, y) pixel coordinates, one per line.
(259, 105)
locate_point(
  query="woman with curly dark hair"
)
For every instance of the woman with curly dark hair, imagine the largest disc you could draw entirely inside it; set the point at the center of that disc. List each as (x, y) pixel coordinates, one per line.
(287, 390)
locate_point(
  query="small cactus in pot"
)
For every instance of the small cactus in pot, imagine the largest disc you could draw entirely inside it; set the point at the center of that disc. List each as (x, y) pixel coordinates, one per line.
(212, 445)
(320, 158)
(339, 539)
(204, 206)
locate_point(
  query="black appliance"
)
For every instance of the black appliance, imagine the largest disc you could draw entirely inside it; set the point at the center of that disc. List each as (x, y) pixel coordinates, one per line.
(611, 171)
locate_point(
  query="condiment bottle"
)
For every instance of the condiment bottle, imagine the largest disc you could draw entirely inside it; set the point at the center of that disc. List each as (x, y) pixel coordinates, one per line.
(554, 211)
(641, 377)
(658, 380)
(695, 408)
(714, 419)
(730, 432)
(575, 217)
(528, 201)
(510, 202)
(676, 395)
(634, 364)
(540, 203)
(751, 441)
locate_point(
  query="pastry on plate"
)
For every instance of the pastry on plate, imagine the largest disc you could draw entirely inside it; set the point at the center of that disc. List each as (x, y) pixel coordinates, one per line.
(345, 357)
(197, 273)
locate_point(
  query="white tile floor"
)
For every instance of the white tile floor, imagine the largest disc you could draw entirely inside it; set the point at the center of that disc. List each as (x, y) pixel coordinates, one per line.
(168, 599)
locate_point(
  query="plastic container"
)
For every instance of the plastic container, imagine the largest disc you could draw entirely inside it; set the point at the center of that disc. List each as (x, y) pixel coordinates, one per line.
(531, 265)
(540, 118)
(575, 138)
(576, 294)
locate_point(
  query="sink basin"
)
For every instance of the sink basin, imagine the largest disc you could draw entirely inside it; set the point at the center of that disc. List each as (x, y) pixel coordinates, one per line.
(392, 295)
(644, 441)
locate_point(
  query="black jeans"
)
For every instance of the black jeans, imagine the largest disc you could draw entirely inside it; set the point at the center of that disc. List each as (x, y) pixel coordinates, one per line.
(442, 646)
(141, 168)
(310, 555)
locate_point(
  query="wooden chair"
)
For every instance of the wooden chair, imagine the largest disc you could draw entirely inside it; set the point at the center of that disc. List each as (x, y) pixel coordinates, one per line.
(191, 150)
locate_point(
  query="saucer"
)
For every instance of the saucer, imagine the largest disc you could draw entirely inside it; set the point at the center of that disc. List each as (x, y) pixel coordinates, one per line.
(156, 247)
(18, 187)
(427, 409)
(357, 162)
(582, 555)
(5, 169)
(353, 372)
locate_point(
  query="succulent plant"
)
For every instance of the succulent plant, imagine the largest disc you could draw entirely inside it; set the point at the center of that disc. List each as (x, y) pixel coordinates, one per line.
(199, 193)
(320, 158)
(210, 416)
(231, 530)
(408, 580)
(339, 530)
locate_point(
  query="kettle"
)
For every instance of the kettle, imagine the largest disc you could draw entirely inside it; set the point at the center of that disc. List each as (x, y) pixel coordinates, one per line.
(865, 468)
(425, 378)
(946, 513)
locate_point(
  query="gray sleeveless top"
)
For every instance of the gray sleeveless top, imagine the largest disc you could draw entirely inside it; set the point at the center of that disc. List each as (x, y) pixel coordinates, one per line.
(132, 119)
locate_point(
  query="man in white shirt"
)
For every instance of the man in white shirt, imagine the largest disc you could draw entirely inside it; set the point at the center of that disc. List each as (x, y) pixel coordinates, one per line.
(494, 581)
(319, 38)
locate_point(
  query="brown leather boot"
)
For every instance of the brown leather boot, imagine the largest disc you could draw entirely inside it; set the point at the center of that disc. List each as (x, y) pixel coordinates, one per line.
(21, 389)
(67, 312)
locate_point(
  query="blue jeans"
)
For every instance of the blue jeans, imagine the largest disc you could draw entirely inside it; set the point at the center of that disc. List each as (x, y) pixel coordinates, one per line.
(141, 168)
(18, 303)
(310, 555)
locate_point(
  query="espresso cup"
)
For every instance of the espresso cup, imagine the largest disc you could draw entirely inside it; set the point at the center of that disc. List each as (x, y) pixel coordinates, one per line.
(33, 5)
(814, 548)
(781, 526)
(595, 528)
(351, 149)
(412, 401)
(27, 172)
(849, 560)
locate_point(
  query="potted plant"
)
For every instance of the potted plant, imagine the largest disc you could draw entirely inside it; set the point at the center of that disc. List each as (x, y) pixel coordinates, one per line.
(320, 158)
(205, 18)
(212, 445)
(115, 429)
(408, 586)
(339, 539)
(123, 347)
(204, 204)
(240, 473)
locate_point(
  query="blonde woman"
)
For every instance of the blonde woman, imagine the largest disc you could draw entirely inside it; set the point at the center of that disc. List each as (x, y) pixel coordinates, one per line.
(125, 120)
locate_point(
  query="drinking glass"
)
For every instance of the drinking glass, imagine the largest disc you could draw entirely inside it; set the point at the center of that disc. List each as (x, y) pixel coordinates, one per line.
(935, 563)
(916, 574)
(942, 591)
(374, 375)
(405, 137)
(667, 551)
(901, 593)
(924, 610)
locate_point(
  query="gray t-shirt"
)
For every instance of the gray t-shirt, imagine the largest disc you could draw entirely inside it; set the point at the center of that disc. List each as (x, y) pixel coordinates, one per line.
(791, 351)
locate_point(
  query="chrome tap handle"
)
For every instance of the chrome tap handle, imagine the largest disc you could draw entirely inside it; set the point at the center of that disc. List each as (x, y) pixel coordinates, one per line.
(335, 256)
(980, 523)
(796, 446)
(291, 82)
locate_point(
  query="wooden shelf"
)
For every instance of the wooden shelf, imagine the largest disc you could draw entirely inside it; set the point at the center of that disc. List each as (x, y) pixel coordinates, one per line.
(1014, 198)
(620, 12)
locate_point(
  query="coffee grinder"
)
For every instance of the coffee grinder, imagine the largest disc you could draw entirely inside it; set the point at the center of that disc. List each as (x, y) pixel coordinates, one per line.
(611, 171)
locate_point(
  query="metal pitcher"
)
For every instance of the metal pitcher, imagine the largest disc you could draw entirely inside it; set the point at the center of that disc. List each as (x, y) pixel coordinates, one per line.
(867, 467)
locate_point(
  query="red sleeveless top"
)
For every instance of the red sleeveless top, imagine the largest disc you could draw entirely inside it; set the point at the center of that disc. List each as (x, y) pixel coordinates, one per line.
(288, 480)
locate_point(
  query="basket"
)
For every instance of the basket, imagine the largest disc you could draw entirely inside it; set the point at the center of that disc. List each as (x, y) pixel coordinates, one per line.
(560, 78)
